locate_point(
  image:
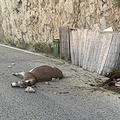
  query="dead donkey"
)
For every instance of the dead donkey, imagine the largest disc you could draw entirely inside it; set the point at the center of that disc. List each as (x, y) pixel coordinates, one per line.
(38, 74)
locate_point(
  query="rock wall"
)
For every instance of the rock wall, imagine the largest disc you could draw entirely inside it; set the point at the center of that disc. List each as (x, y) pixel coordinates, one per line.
(39, 20)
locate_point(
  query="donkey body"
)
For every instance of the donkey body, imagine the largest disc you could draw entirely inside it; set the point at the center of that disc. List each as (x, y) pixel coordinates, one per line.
(38, 74)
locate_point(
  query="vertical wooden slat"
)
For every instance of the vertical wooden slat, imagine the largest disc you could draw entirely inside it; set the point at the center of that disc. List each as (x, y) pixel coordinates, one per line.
(91, 45)
(113, 54)
(71, 46)
(95, 54)
(64, 37)
(106, 42)
(79, 47)
(87, 51)
(92, 50)
(83, 46)
(76, 45)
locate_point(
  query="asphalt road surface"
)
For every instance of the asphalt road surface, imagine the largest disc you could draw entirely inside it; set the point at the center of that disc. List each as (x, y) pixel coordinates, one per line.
(50, 102)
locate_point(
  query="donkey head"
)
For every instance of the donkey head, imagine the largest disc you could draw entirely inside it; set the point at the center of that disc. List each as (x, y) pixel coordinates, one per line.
(24, 83)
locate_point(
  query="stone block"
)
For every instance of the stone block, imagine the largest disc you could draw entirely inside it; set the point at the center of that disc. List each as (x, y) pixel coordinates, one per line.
(103, 22)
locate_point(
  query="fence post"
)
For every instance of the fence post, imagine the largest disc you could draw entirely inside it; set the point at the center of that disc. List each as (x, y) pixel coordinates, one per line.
(64, 36)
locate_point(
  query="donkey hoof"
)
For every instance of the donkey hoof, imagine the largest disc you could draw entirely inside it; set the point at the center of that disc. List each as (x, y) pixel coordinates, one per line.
(13, 84)
(15, 74)
(29, 89)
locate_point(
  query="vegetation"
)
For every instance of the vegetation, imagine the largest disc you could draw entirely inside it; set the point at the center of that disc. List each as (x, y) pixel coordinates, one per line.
(117, 69)
(118, 3)
(40, 47)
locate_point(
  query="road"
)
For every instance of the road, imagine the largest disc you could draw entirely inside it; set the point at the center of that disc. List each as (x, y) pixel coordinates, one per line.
(61, 100)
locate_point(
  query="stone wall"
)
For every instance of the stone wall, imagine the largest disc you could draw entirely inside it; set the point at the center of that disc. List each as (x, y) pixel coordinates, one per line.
(39, 20)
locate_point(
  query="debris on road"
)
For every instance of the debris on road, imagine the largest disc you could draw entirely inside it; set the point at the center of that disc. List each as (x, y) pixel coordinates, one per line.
(66, 92)
(13, 63)
(9, 66)
(47, 83)
(55, 93)
(29, 89)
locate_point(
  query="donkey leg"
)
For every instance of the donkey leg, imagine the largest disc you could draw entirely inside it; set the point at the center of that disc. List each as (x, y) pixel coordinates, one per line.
(24, 83)
(20, 83)
(20, 75)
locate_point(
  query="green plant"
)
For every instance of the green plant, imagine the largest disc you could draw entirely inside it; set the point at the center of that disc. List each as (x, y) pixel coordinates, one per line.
(7, 42)
(22, 44)
(40, 47)
(118, 3)
(116, 69)
(1, 41)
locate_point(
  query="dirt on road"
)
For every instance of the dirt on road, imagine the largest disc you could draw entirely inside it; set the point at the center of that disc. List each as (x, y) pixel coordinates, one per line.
(76, 80)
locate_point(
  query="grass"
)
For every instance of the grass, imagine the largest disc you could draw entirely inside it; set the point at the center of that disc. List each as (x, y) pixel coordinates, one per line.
(7, 42)
(39, 47)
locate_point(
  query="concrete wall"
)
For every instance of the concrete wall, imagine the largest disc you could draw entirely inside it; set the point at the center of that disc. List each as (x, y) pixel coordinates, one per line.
(39, 20)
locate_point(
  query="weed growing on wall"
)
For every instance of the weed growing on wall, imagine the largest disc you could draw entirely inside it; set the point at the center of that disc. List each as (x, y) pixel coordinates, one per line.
(22, 45)
(39, 47)
(118, 3)
(7, 42)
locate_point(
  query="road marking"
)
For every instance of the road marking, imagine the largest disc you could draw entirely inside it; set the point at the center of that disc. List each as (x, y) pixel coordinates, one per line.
(38, 54)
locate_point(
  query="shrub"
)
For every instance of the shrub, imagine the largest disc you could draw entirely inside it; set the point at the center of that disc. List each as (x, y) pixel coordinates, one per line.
(117, 69)
(40, 47)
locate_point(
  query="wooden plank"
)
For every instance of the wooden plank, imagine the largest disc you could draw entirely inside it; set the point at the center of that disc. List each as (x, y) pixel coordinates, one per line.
(78, 41)
(91, 50)
(87, 51)
(64, 37)
(72, 46)
(61, 32)
(106, 41)
(113, 54)
(116, 38)
(83, 47)
(75, 46)
(94, 51)
(103, 49)
(79, 47)
(99, 56)
(107, 65)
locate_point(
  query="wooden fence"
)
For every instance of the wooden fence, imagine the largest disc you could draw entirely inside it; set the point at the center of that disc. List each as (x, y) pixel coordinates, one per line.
(64, 36)
(92, 50)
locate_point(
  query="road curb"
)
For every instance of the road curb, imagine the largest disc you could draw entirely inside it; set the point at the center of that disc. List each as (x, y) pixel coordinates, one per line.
(32, 53)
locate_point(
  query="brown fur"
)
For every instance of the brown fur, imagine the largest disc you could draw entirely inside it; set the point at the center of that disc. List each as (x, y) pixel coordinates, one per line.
(38, 74)
(46, 73)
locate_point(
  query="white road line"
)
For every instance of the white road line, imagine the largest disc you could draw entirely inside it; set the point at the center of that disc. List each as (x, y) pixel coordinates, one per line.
(38, 54)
